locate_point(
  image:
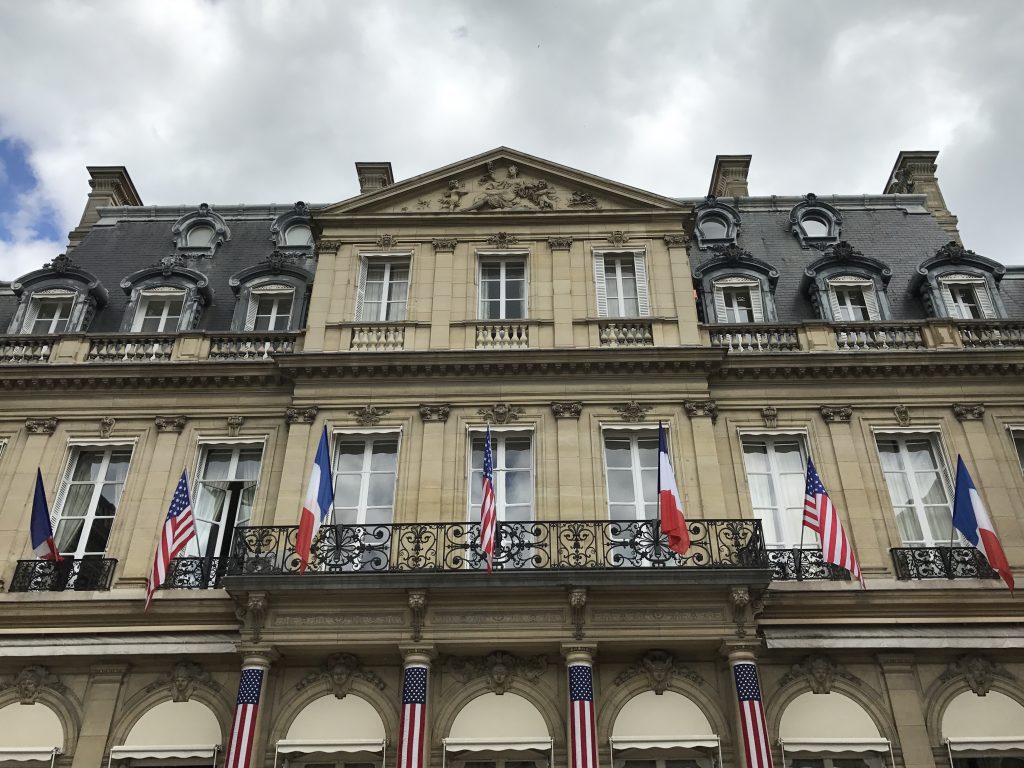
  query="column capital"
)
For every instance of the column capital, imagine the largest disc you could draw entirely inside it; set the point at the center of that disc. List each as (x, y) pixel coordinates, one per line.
(261, 656)
(579, 653)
(418, 654)
(740, 650)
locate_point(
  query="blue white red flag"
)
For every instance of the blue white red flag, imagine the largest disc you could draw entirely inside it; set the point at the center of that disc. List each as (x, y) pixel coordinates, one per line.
(971, 518)
(670, 503)
(488, 506)
(319, 504)
(178, 530)
(39, 528)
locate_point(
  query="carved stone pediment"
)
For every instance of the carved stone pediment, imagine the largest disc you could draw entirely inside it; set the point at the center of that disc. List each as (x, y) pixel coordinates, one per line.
(339, 670)
(30, 681)
(499, 668)
(182, 680)
(660, 667)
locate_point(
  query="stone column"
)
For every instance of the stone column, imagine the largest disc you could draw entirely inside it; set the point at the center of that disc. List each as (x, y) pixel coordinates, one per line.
(581, 717)
(570, 482)
(246, 747)
(753, 745)
(907, 702)
(703, 415)
(15, 517)
(98, 707)
(413, 724)
(298, 459)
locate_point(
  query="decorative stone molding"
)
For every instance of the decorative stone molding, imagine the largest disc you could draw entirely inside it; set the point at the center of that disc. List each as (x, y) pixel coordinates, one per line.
(387, 242)
(632, 411)
(739, 600)
(235, 425)
(770, 417)
(660, 667)
(251, 610)
(278, 260)
(451, 199)
(836, 414)
(444, 244)
(677, 241)
(969, 411)
(45, 426)
(559, 243)
(369, 415)
(695, 408)
(418, 606)
(979, 672)
(902, 414)
(577, 605)
(339, 670)
(502, 240)
(566, 409)
(583, 200)
(31, 680)
(170, 423)
(500, 668)
(819, 672)
(618, 237)
(300, 415)
(107, 426)
(501, 413)
(511, 192)
(182, 680)
(61, 263)
(328, 246)
(439, 412)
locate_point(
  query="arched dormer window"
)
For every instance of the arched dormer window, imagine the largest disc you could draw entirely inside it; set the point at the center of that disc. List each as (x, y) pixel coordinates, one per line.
(59, 298)
(846, 286)
(201, 232)
(293, 230)
(717, 223)
(165, 298)
(735, 287)
(961, 285)
(271, 296)
(814, 222)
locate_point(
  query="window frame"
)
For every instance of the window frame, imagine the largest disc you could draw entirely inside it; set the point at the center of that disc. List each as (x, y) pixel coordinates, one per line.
(780, 509)
(166, 294)
(366, 435)
(1016, 440)
(487, 258)
(978, 285)
(640, 276)
(719, 286)
(634, 435)
(838, 284)
(498, 434)
(204, 445)
(66, 296)
(263, 290)
(390, 260)
(286, 241)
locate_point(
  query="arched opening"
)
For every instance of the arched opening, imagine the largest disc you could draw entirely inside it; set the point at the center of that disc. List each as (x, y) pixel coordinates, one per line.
(30, 732)
(984, 731)
(825, 729)
(659, 731)
(495, 731)
(329, 726)
(172, 730)
(200, 236)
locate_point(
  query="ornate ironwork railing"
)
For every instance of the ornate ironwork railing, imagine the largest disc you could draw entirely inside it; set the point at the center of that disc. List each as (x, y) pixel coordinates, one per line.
(556, 545)
(941, 563)
(803, 565)
(755, 337)
(195, 573)
(882, 336)
(89, 573)
(249, 345)
(626, 333)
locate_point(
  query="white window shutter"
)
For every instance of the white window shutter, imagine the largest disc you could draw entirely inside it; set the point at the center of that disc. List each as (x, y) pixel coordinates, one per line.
(720, 313)
(756, 305)
(985, 301)
(250, 311)
(62, 492)
(360, 289)
(600, 286)
(947, 299)
(642, 297)
(31, 313)
(833, 302)
(871, 302)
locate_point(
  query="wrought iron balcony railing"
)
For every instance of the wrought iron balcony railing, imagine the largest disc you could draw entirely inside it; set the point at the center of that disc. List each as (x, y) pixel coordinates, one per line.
(89, 573)
(803, 565)
(556, 545)
(195, 573)
(941, 563)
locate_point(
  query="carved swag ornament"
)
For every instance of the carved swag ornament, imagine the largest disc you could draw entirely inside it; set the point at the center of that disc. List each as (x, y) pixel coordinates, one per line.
(501, 413)
(632, 411)
(339, 671)
(499, 668)
(369, 415)
(660, 667)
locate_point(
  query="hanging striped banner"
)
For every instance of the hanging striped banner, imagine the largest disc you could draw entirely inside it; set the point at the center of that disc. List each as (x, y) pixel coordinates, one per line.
(414, 709)
(752, 723)
(583, 728)
(250, 686)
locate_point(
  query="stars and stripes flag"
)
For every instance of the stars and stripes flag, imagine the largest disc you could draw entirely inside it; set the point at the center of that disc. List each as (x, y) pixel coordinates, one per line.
(244, 725)
(582, 727)
(179, 528)
(40, 530)
(410, 729)
(821, 517)
(488, 506)
(752, 723)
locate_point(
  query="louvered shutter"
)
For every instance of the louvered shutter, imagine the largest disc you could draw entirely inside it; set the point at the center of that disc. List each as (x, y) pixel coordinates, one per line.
(31, 313)
(720, 313)
(250, 311)
(361, 289)
(62, 492)
(833, 302)
(984, 301)
(756, 304)
(642, 296)
(600, 286)
(871, 302)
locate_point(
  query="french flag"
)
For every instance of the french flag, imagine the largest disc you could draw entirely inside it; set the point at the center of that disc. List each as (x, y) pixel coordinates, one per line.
(42, 533)
(319, 504)
(670, 503)
(970, 517)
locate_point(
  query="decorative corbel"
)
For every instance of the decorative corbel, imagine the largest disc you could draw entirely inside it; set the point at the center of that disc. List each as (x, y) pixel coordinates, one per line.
(418, 606)
(836, 414)
(438, 412)
(695, 408)
(577, 605)
(300, 415)
(44, 426)
(175, 424)
(251, 610)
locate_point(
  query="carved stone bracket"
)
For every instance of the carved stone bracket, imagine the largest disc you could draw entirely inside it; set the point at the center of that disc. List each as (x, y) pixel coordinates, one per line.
(369, 415)
(502, 240)
(567, 409)
(439, 412)
(387, 242)
(618, 237)
(559, 243)
(902, 414)
(979, 672)
(968, 411)
(41, 426)
(499, 668)
(819, 672)
(836, 414)
(739, 600)
(31, 680)
(235, 425)
(632, 411)
(501, 413)
(444, 244)
(251, 610)
(770, 417)
(659, 667)
(300, 415)
(328, 246)
(695, 408)
(182, 680)
(418, 606)
(677, 241)
(578, 604)
(339, 670)
(107, 426)
(170, 423)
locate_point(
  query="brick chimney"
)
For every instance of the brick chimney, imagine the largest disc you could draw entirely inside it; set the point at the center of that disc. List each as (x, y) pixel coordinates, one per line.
(110, 185)
(914, 173)
(374, 176)
(729, 177)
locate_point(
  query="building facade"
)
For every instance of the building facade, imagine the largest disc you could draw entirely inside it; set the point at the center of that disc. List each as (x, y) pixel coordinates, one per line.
(571, 315)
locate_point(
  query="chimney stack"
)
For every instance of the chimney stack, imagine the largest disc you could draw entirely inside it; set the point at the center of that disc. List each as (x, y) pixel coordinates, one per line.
(914, 174)
(111, 185)
(374, 176)
(729, 177)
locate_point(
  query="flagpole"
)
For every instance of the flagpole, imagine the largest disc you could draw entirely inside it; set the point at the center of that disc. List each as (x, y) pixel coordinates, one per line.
(952, 525)
(657, 515)
(798, 558)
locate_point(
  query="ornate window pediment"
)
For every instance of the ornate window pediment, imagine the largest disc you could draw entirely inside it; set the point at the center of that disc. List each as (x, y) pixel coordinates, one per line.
(846, 286)
(815, 223)
(165, 297)
(293, 231)
(959, 284)
(59, 298)
(734, 286)
(200, 232)
(717, 223)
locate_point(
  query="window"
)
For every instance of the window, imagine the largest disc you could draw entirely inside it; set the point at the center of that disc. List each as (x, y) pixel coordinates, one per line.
(964, 301)
(631, 461)
(200, 236)
(365, 470)
(383, 290)
(966, 297)
(738, 306)
(814, 221)
(88, 498)
(503, 289)
(227, 480)
(298, 234)
(270, 308)
(812, 226)
(919, 488)
(988, 762)
(49, 312)
(512, 452)
(717, 224)
(853, 300)
(621, 281)
(738, 300)
(1018, 443)
(713, 228)
(159, 311)
(776, 475)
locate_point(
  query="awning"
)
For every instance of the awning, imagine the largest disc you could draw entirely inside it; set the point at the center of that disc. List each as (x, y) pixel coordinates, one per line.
(835, 745)
(125, 753)
(667, 742)
(497, 745)
(42, 754)
(984, 744)
(343, 745)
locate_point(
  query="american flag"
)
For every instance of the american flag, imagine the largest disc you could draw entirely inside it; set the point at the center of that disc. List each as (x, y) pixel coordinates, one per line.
(755, 732)
(821, 517)
(410, 730)
(178, 529)
(246, 706)
(582, 728)
(488, 507)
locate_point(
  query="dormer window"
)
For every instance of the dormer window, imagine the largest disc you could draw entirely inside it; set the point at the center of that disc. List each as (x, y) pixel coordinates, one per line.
(270, 308)
(200, 236)
(853, 299)
(293, 229)
(200, 233)
(814, 227)
(961, 285)
(713, 228)
(717, 224)
(59, 298)
(846, 286)
(738, 300)
(49, 312)
(159, 311)
(298, 234)
(164, 298)
(734, 287)
(815, 223)
(966, 297)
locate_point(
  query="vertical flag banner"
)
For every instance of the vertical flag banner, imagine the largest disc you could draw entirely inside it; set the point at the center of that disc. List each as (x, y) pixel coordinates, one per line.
(411, 726)
(971, 518)
(582, 726)
(752, 723)
(821, 517)
(39, 528)
(488, 506)
(179, 528)
(244, 725)
(319, 503)
(670, 503)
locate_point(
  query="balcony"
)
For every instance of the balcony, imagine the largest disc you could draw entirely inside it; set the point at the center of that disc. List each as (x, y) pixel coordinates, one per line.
(755, 338)
(503, 335)
(378, 337)
(251, 345)
(86, 574)
(991, 334)
(626, 333)
(195, 573)
(130, 347)
(880, 336)
(941, 563)
(25, 349)
(566, 545)
(803, 565)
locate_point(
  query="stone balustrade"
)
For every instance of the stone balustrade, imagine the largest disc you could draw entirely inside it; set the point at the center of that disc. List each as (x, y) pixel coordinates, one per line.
(864, 336)
(251, 345)
(626, 333)
(755, 338)
(991, 333)
(130, 348)
(378, 337)
(503, 335)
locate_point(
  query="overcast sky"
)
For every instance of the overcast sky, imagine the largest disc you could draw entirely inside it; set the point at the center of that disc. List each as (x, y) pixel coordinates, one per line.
(229, 102)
